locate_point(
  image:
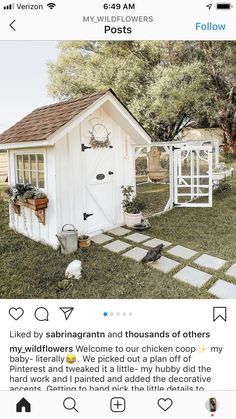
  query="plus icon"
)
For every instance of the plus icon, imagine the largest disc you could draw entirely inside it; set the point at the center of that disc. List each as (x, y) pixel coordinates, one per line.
(117, 404)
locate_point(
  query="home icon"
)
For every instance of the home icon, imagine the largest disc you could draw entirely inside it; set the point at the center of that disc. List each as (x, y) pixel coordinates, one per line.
(23, 406)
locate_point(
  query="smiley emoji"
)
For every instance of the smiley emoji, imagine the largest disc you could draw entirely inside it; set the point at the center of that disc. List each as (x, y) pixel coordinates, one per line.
(71, 359)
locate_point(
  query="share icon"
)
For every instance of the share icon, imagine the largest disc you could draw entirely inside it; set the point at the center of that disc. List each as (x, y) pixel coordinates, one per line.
(67, 311)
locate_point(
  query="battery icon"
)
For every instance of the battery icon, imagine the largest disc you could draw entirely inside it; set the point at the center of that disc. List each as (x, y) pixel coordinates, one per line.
(223, 6)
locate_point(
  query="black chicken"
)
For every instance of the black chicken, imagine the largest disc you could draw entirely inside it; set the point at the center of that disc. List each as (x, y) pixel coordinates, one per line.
(153, 254)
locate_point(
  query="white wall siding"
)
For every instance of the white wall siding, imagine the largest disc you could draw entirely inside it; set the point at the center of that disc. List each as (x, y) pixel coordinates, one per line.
(69, 181)
(71, 189)
(72, 185)
(27, 223)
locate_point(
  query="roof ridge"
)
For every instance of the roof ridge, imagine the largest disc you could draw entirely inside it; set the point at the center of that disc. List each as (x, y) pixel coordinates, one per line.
(62, 102)
(45, 120)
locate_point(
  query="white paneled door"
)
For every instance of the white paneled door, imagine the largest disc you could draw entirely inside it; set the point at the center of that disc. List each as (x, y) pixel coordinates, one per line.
(99, 172)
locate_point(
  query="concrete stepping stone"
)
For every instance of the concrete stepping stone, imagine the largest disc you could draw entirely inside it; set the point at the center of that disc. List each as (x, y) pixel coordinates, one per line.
(182, 252)
(155, 242)
(210, 262)
(164, 264)
(101, 238)
(136, 253)
(223, 289)
(232, 271)
(117, 246)
(137, 237)
(119, 231)
(192, 276)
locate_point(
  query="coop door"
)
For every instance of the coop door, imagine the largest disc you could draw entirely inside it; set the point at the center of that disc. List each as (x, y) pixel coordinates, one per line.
(99, 189)
(192, 176)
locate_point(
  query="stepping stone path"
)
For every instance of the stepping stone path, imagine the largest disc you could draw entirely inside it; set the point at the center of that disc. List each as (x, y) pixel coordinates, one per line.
(192, 276)
(119, 231)
(232, 271)
(223, 289)
(137, 237)
(188, 274)
(136, 253)
(101, 238)
(117, 246)
(182, 252)
(156, 242)
(164, 264)
(210, 262)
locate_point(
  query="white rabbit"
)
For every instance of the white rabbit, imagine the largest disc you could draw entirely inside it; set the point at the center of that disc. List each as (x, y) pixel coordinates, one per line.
(73, 270)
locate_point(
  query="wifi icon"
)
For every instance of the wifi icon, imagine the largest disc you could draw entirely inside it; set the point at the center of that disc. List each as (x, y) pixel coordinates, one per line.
(51, 5)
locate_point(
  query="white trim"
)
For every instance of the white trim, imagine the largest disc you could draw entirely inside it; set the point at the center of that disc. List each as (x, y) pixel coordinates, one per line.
(56, 136)
(29, 152)
(108, 97)
(182, 143)
(132, 120)
(25, 144)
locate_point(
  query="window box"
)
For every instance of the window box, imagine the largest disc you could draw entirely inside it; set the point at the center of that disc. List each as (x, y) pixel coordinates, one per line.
(38, 205)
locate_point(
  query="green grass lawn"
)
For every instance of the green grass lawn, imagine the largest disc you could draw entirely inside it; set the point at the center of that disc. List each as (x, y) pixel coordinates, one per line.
(32, 270)
(155, 197)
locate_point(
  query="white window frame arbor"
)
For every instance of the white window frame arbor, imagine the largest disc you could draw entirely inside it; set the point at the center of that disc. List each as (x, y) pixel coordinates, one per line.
(199, 148)
(194, 184)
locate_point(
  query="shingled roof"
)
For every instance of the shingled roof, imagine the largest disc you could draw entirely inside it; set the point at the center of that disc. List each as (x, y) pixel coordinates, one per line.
(43, 122)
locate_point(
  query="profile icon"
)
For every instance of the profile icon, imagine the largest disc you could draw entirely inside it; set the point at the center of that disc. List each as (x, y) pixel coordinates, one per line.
(212, 404)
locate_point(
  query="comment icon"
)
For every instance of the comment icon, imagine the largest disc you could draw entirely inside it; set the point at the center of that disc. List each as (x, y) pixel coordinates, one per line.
(41, 314)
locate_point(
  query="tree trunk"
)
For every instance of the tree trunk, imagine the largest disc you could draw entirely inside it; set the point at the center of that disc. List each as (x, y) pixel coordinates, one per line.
(228, 121)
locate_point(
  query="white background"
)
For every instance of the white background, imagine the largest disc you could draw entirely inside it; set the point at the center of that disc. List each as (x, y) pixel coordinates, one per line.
(172, 20)
(146, 315)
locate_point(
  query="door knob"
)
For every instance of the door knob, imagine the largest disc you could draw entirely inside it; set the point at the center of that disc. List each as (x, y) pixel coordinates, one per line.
(110, 173)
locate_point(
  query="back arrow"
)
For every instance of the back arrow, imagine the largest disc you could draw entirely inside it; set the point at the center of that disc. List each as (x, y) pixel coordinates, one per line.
(12, 23)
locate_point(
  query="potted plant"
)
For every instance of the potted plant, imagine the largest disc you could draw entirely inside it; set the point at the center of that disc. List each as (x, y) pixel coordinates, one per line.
(132, 205)
(84, 241)
(28, 196)
(23, 194)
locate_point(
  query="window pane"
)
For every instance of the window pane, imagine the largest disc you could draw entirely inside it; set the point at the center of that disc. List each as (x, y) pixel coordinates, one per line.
(40, 162)
(26, 176)
(41, 183)
(32, 162)
(20, 176)
(30, 169)
(19, 163)
(33, 178)
(26, 162)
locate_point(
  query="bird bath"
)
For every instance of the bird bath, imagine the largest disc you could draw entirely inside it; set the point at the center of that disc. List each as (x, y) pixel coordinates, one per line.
(155, 171)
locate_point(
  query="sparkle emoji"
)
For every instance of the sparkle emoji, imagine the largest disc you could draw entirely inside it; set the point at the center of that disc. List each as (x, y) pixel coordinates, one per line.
(201, 348)
(71, 359)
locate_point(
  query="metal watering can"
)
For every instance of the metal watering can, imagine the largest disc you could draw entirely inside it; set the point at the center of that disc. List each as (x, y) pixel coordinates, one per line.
(68, 239)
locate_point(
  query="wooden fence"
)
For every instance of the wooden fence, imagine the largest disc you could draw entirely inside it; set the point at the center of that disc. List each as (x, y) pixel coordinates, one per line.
(3, 166)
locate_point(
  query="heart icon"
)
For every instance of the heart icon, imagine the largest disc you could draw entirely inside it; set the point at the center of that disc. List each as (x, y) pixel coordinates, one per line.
(165, 404)
(16, 313)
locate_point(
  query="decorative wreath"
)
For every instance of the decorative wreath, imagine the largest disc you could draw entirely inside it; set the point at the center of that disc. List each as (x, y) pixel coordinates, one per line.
(100, 137)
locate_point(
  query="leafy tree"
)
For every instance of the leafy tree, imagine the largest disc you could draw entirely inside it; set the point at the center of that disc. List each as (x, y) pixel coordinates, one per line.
(168, 85)
(220, 59)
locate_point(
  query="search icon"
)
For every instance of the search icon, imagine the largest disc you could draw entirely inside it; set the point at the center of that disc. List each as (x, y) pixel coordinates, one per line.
(70, 404)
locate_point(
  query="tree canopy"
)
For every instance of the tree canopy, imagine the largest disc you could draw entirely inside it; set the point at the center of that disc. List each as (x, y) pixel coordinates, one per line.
(167, 85)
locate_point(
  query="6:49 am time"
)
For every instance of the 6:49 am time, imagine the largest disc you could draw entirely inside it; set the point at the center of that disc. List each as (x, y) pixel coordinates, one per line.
(119, 6)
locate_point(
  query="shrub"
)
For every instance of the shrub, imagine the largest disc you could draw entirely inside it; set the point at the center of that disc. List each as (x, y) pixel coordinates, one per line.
(131, 204)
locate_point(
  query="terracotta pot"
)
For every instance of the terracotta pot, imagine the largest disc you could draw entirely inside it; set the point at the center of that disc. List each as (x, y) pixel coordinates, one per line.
(132, 219)
(84, 243)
